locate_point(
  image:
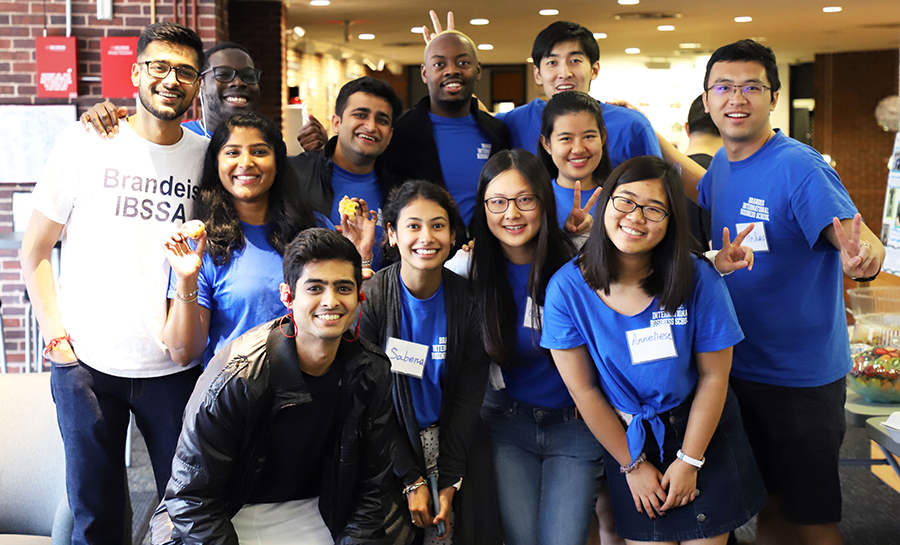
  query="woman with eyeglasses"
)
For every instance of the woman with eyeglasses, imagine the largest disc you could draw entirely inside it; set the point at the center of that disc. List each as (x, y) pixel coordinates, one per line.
(642, 332)
(547, 462)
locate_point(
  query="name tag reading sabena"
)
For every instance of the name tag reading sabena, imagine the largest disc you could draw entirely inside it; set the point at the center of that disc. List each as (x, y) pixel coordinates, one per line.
(651, 344)
(406, 358)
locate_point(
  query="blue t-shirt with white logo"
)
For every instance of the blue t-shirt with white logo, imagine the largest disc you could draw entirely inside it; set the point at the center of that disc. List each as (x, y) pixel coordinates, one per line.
(424, 321)
(363, 186)
(463, 149)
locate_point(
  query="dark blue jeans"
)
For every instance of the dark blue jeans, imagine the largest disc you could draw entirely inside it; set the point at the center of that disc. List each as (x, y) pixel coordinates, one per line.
(92, 409)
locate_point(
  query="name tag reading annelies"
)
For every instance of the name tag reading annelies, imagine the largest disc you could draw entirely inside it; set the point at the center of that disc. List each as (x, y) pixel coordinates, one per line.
(406, 358)
(651, 344)
(757, 237)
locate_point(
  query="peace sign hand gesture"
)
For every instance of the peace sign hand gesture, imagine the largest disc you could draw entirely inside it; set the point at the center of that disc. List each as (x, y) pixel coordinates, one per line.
(437, 26)
(858, 259)
(733, 257)
(580, 219)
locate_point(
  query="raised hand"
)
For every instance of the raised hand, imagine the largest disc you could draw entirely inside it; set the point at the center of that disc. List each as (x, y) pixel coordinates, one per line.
(580, 219)
(361, 230)
(437, 26)
(733, 256)
(104, 118)
(184, 260)
(857, 258)
(312, 135)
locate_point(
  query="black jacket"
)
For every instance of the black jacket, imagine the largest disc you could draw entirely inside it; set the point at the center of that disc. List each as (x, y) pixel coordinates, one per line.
(413, 154)
(220, 451)
(463, 451)
(314, 170)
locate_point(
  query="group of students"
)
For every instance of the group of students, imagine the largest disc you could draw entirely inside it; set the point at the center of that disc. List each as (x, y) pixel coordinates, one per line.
(560, 337)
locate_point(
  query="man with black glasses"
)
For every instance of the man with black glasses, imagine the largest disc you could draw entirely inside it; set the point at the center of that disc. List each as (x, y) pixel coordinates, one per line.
(113, 202)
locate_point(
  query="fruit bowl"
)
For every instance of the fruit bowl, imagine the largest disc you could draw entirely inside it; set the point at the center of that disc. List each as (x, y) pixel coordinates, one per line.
(876, 374)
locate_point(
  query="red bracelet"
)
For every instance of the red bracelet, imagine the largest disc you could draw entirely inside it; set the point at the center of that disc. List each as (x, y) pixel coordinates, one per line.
(54, 343)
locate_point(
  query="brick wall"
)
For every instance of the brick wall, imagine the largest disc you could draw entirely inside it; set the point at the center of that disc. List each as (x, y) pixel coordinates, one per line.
(23, 20)
(848, 87)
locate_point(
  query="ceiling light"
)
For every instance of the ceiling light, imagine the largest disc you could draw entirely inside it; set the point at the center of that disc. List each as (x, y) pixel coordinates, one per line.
(549, 12)
(529, 60)
(417, 29)
(479, 22)
(665, 28)
(366, 36)
(689, 45)
(299, 31)
(832, 9)
(599, 35)
(485, 47)
(743, 19)
(629, 2)
(632, 51)
(319, 2)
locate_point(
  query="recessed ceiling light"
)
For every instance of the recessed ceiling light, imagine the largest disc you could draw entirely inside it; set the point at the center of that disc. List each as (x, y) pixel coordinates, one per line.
(366, 36)
(599, 35)
(549, 12)
(632, 51)
(629, 2)
(689, 45)
(529, 60)
(479, 22)
(485, 47)
(320, 2)
(832, 9)
(300, 31)
(743, 19)
(665, 28)
(416, 29)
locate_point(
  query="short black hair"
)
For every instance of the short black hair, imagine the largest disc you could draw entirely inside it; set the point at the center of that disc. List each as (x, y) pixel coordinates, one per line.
(671, 270)
(371, 86)
(400, 197)
(219, 47)
(564, 31)
(574, 102)
(318, 244)
(172, 33)
(699, 120)
(746, 51)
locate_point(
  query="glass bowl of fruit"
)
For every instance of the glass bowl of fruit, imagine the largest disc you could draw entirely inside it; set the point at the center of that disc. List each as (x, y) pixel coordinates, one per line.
(875, 343)
(876, 374)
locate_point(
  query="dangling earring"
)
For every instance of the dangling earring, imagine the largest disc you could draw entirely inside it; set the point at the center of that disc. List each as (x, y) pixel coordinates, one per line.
(290, 317)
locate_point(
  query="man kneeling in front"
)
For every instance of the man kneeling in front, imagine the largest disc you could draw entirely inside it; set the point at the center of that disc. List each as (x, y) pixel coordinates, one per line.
(284, 438)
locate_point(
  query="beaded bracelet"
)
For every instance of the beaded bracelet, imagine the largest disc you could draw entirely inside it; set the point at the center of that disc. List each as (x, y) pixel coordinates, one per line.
(634, 465)
(54, 344)
(189, 298)
(366, 263)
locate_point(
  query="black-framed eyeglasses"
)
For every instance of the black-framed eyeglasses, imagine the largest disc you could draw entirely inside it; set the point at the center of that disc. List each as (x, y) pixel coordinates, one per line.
(650, 212)
(499, 205)
(226, 74)
(161, 69)
(748, 90)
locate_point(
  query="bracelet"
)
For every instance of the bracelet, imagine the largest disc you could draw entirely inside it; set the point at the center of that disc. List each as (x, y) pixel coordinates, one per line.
(633, 465)
(366, 263)
(414, 486)
(869, 278)
(54, 344)
(688, 460)
(189, 298)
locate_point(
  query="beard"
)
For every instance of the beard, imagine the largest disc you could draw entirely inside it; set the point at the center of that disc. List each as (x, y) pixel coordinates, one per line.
(163, 114)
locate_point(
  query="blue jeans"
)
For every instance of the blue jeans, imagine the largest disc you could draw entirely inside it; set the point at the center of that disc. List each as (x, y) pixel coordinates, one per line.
(548, 467)
(92, 409)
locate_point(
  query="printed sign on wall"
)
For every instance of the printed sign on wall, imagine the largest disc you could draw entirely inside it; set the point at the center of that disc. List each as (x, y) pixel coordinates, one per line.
(117, 55)
(57, 66)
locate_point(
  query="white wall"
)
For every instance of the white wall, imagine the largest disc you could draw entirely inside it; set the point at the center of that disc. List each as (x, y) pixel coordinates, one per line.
(665, 95)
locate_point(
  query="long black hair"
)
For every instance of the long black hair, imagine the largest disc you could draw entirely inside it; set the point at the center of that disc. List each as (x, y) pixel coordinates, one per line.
(671, 274)
(487, 268)
(288, 213)
(573, 102)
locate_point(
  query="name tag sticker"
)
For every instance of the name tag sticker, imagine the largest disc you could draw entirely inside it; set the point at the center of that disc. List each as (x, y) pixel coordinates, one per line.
(406, 358)
(529, 305)
(757, 237)
(651, 344)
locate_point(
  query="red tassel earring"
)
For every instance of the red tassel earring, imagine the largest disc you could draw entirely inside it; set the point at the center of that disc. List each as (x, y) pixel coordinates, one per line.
(290, 317)
(362, 299)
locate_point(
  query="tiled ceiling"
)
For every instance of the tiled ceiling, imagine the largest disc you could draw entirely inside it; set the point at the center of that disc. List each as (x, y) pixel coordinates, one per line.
(795, 29)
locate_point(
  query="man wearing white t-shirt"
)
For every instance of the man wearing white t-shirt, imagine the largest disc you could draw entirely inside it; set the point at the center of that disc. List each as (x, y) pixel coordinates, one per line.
(114, 202)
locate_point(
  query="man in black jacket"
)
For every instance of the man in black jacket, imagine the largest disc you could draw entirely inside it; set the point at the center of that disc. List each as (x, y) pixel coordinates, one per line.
(363, 120)
(284, 438)
(445, 138)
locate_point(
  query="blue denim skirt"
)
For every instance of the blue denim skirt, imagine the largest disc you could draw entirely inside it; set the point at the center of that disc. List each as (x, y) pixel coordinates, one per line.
(730, 487)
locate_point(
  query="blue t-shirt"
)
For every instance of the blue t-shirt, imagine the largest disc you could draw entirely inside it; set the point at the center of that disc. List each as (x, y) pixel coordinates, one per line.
(363, 186)
(630, 134)
(424, 321)
(574, 315)
(242, 293)
(791, 304)
(196, 126)
(534, 379)
(463, 149)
